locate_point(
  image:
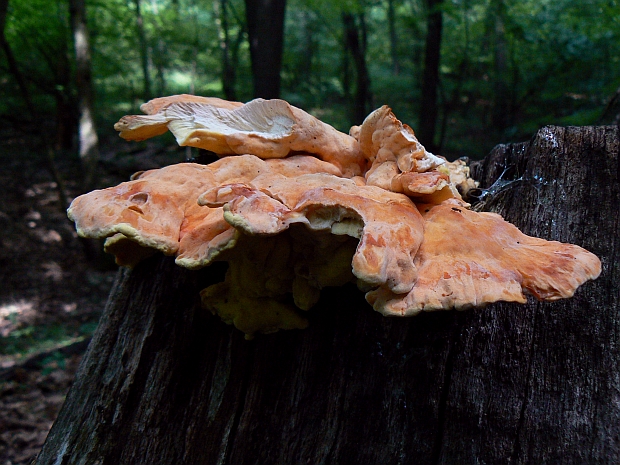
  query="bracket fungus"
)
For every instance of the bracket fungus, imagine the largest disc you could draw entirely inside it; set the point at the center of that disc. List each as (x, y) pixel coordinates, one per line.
(302, 206)
(265, 128)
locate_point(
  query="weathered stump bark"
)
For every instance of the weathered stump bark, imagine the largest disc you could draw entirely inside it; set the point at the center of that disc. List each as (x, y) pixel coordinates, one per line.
(164, 383)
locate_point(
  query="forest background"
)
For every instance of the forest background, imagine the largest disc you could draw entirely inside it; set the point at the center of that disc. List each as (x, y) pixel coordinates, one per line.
(504, 68)
(465, 74)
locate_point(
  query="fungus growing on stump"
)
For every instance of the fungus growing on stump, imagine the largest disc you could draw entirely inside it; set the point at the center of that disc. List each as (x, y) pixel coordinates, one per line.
(265, 128)
(301, 207)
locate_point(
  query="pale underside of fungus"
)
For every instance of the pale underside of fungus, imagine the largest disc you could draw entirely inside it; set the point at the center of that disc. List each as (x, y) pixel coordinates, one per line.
(301, 206)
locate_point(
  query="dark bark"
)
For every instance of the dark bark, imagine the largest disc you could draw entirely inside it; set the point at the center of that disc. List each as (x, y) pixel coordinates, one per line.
(265, 20)
(430, 77)
(164, 383)
(144, 51)
(66, 107)
(230, 51)
(355, 44)
(228, 70)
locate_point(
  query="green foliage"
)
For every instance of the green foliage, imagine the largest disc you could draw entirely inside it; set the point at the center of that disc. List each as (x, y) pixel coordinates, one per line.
(42, 55)
(531, 63)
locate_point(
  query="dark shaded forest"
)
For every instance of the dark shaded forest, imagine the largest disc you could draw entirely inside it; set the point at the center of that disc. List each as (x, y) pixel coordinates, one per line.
(465, 74)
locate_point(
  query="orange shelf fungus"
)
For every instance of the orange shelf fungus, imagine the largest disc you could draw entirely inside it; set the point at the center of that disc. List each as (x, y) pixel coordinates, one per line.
(301, 207)
(265, 128)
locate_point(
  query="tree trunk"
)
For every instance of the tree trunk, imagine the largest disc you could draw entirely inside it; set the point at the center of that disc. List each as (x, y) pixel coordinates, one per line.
(230, 50)
(164, 383)
(87, 129)
(265, 19)
(430, 77)
(61, 86)
(355, 43)
(144, 51)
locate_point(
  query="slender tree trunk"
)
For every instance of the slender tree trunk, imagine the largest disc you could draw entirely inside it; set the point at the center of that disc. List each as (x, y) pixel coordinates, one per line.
(66, 107)
(87, 129)
(228, 72)
(355, 36)
(163, 382)
(230, 51)
(430, 78)
(144, 51)
(265, 20)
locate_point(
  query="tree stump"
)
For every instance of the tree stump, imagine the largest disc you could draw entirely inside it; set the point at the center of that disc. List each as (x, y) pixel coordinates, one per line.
(164, 382)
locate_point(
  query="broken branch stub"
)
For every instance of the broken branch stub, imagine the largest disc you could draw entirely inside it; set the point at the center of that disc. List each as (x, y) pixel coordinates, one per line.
(290, 225)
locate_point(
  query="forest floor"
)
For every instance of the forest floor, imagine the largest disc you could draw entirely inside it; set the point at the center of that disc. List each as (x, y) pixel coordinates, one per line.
(51, 292)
